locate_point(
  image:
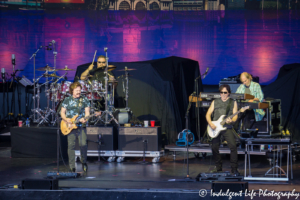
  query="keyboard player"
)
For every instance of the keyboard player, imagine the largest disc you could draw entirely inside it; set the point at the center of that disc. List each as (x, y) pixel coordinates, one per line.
(250, 87)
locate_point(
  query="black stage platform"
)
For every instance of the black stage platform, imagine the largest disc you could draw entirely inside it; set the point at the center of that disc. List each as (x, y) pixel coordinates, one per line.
(130, 179)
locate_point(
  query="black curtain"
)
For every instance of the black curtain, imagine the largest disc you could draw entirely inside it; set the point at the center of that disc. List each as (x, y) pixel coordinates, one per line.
(159, 90)
(287, 88)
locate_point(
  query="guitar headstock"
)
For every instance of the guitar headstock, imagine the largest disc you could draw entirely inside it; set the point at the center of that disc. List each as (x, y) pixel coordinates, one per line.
(243, 109)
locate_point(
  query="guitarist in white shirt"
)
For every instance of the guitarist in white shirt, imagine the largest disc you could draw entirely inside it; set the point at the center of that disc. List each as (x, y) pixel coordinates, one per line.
(223, 106)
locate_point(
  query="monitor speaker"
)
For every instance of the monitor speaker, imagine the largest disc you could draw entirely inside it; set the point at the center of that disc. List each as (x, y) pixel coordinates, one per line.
(231, 186)
(101, 138)
(139, 138)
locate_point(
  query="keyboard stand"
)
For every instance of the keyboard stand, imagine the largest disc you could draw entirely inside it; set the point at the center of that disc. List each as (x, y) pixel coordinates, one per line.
(278, 174)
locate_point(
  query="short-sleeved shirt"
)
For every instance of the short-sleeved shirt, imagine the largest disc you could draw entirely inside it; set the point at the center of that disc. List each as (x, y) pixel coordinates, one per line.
(75, 106)
(220, 108)
(256, 91)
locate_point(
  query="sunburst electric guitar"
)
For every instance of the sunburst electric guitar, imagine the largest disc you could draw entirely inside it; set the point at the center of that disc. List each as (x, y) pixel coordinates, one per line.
(66, 128)
(221, 122)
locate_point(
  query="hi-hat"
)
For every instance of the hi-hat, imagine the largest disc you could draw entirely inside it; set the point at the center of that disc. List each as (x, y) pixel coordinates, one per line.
(110, 68)
(51, 75)
(66, 69)
(46, 68)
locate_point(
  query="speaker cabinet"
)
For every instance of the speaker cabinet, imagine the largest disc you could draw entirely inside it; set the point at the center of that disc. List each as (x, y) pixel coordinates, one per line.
(136, 138)
(40, 184)
(232, 186)
(101, 138)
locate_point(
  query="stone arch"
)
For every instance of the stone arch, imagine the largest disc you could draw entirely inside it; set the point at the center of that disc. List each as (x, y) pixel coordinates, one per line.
(140, 6)
(154, 1)
(136, 2)
(154, 6)
(124, 3)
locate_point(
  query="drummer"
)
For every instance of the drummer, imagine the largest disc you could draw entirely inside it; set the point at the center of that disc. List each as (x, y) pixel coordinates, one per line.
(98, 75)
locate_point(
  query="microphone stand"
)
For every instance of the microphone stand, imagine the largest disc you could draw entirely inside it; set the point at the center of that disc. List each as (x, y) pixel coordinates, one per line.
(58, 142)
(34, 82)
(187, 178)
(198, 127)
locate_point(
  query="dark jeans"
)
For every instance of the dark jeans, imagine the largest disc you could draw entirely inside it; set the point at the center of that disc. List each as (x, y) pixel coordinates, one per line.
(82, 141)
(229, 137)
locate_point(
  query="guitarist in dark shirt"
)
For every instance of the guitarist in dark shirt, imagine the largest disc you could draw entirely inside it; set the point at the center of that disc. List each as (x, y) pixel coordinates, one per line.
(224, 106)
(71, 106)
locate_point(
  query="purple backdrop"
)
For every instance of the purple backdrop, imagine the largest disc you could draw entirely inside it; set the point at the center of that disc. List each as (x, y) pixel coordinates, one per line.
(229, 42)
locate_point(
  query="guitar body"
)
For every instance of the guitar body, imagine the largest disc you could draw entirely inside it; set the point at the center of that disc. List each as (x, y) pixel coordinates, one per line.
(214, 133)
(67, 128)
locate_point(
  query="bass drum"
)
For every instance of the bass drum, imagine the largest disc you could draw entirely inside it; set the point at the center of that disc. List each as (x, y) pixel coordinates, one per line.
(123, 116)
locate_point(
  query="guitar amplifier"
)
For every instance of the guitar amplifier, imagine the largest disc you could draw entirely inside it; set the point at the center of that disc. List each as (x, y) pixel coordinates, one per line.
(138, 138)
(101, 138)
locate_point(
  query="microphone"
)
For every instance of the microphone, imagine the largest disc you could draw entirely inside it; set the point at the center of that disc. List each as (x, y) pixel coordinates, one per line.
(105, 49)
(13, 59)
(3, 74)
(204, 75)
(53, 41)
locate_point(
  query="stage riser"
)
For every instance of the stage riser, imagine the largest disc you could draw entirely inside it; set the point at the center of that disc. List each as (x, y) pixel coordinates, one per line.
(41, 141)
(36, 142)
(115, 194)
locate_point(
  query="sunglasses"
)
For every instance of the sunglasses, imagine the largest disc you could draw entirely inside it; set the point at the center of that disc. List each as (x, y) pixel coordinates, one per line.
(223, 92)
(101, 62)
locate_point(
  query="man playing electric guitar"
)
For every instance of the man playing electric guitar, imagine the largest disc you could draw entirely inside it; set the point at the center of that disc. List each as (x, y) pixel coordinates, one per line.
(224, 106)
(71, 106)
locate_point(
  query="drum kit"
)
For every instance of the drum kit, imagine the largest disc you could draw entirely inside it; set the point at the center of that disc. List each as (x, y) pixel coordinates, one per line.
(94, 90)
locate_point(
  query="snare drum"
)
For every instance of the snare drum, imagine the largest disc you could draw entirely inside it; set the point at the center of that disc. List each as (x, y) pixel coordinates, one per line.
(96, 85)
(93, 96)
(64, 88)
(84, 87)
(55, 93)
(56, 96)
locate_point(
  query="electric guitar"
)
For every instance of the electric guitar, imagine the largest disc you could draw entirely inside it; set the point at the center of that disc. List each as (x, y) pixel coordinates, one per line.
(213, 133)
(66, 128)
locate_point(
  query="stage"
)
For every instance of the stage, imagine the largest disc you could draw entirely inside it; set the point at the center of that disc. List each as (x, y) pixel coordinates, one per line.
(131, 179)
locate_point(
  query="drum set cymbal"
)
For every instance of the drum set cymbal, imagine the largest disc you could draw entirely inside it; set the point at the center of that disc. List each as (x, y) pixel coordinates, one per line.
(51, 75)
(110, 68)
(127, 69)
(66, 69)
(46, 68)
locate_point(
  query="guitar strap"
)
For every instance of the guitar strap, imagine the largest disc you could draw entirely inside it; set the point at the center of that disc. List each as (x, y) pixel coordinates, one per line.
(228, 106)
(79, 105)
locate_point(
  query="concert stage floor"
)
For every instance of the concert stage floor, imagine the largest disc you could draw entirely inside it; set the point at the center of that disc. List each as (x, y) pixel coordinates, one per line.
(149, 179)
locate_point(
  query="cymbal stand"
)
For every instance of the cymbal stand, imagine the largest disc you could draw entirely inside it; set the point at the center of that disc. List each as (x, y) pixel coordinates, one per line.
(36, 111)
(53, 111)
(47, 111)
(47, 92)
(92, 99)
(107, 111)
(126, 89)
(34, 81)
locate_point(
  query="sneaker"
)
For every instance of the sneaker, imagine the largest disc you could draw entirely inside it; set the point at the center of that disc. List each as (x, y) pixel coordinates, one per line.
(84, 167)
(235, 172)
(216, 170)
